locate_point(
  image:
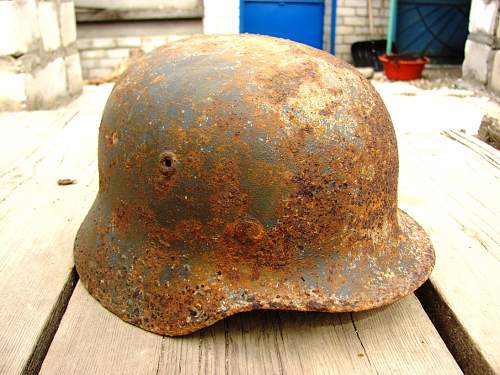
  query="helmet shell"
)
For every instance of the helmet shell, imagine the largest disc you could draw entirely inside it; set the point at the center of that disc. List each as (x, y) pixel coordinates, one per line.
(246, 172)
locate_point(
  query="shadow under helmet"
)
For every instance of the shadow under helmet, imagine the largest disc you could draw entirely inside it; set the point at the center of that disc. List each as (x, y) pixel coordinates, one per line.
(246, 172)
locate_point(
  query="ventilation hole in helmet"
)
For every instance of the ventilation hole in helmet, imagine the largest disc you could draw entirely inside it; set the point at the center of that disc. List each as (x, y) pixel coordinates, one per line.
(167, 162)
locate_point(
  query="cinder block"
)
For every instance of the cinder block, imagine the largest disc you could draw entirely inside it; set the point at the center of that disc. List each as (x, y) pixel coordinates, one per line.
(103, 43)
(97, 73)
(117, 53)
(173, 38)
(12, 91)
(27, 12)
(475, 65)
(68, 23)
(483, 16)
(74, 74)
(495, 73)
(85, 43)
(154, 41)
(101, 63)
(12, 40)
(49, 25)
(128, 42)
(48, 85)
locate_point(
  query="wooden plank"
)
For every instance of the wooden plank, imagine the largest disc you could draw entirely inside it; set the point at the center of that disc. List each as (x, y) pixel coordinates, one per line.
(396, 339)
(399, 338)
(99, 343)
(451, 188)
(38, 221)
(23, 134)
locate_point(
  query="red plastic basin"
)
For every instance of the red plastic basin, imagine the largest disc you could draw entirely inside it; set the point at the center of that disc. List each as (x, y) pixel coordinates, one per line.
(403, 70)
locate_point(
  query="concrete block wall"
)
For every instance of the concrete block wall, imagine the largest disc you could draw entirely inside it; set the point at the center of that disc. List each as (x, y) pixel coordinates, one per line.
(39, 62)
(101, 56)
(482, 49)
(352, 24)
(127, 26)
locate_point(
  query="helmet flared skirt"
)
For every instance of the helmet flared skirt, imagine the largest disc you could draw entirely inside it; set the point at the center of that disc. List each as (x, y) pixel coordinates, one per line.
(168, 288)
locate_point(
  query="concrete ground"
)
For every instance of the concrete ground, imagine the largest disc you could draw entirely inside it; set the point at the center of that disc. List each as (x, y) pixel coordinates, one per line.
(440, 101)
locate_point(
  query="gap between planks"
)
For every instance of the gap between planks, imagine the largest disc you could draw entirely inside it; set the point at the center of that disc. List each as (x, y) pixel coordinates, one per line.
(451, 188)
(38, 221)
(398, 338)
(42, 345)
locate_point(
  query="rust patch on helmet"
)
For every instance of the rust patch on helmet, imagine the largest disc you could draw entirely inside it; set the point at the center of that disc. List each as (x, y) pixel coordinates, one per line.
(245, 172)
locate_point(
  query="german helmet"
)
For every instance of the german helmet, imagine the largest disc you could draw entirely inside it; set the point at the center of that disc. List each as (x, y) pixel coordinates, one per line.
(246, 172)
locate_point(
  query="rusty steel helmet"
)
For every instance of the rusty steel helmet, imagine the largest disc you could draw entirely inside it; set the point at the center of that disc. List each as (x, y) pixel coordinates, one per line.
(246, 172)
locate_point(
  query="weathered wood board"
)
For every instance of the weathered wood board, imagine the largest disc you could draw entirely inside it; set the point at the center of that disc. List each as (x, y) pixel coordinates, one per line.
(454, 193)
(450, 183)
(38, 219)
(398, 339)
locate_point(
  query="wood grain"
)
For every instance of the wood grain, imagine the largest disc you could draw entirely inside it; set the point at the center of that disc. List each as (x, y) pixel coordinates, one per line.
(104, 343)
(38, 221)
(398, 339)
(452, 189)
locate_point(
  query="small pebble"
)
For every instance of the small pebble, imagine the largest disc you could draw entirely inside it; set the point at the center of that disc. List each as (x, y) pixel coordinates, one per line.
(66, 181)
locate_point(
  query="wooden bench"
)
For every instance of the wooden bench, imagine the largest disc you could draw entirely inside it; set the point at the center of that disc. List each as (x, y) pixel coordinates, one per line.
(49, 322)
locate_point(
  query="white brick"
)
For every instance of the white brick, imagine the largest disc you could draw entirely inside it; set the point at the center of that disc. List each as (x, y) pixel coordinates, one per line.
(173, 38)
(28, 21)
(495, 73)
(101, 63)
(483, 16)
(475, 65)
(49, 25)
(343, 48)
(84, 43)
(12, 40)
(97, 73)
(359, 3)
(48, 85)
(68, 23)
(345, 30)
(103, 43)
(346, 11)
(361, 30)
(128, 42)
(154, 41)
(349, 39)
(118, 53)
(74, 74)
(12, 91)
(355, 21)
(93, 53)
(361, 12)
